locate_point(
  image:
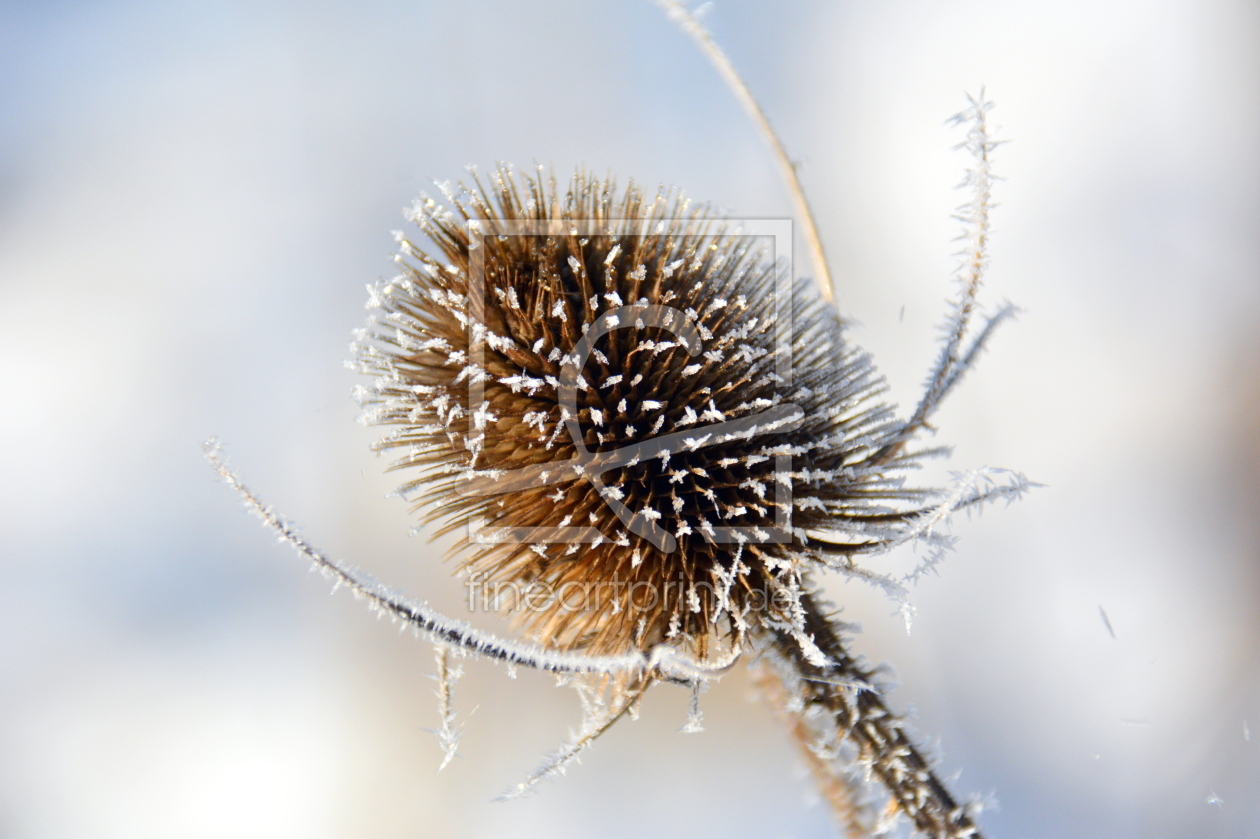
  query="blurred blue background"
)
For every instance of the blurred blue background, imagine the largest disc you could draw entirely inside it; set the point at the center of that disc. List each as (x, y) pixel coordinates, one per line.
(193, 196)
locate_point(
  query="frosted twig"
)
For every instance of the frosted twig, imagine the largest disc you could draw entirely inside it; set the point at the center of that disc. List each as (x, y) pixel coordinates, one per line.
(971, 489)
(975, 217)
(668, 663)
(594, 724)
(978, 344)
(691, 25)
(953, 360)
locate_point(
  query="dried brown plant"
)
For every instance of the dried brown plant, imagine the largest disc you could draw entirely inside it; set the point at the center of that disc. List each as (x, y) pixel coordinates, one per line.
(656, 439)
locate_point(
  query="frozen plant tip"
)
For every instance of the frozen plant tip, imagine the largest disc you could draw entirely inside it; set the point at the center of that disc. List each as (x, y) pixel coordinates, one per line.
(447, 735)
(653, 439)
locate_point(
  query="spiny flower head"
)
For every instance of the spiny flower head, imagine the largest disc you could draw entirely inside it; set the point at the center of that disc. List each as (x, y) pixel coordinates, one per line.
(653, 444)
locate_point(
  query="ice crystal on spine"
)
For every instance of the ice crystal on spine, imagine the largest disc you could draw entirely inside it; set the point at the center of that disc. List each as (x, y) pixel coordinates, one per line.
(448, 734)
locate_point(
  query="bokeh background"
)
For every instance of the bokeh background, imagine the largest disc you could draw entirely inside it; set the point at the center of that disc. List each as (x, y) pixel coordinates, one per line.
(193, 196)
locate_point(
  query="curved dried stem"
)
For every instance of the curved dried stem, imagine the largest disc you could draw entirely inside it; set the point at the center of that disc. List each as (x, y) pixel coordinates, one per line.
(661, 662)
(954, 361)
(691, 25)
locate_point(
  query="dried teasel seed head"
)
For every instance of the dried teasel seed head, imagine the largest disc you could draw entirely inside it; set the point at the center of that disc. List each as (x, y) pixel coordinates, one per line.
(657, 447)
(655, 438)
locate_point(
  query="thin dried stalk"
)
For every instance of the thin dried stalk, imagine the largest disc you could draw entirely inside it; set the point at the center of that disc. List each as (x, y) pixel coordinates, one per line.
(662, 661)
(690, 24)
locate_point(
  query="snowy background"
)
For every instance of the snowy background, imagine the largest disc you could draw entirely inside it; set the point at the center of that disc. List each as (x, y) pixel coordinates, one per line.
(193, 196)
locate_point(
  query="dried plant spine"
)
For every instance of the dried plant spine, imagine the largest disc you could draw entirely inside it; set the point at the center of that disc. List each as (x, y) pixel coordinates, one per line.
(690, 23)
(447, 733)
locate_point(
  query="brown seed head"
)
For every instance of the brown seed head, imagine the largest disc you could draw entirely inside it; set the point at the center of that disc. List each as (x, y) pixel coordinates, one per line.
(654, 439)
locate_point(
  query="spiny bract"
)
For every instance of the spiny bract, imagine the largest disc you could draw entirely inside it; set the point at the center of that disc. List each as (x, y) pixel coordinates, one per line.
(658, 441)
